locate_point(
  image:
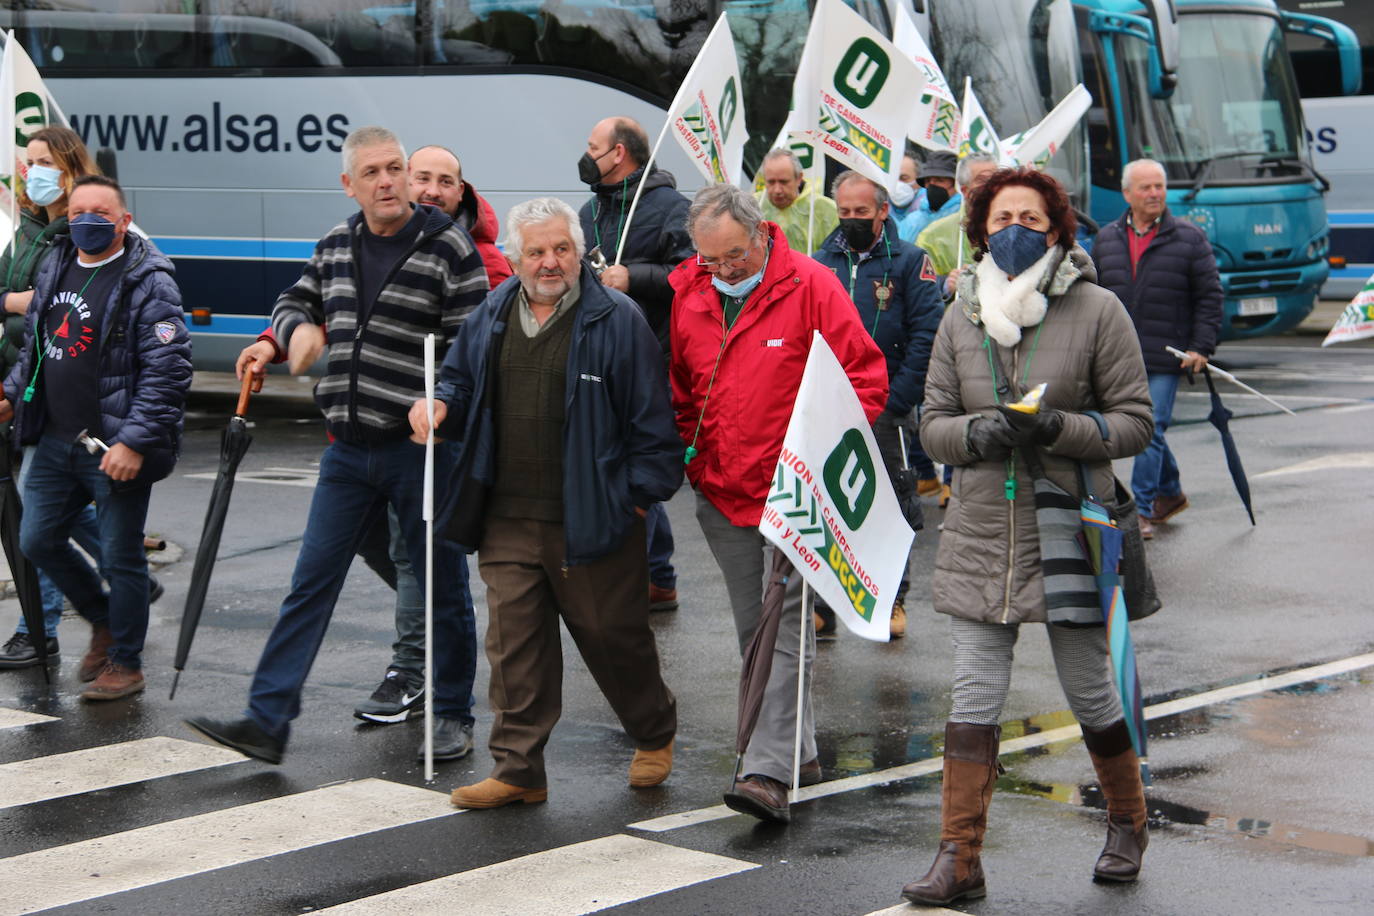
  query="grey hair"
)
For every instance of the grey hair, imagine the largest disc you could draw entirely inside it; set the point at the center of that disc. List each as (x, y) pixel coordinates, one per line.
(963, 171)
(717, 200)
(1130, 166)
(780, 153)
(535, 213)
(367, 136)
(847, 177)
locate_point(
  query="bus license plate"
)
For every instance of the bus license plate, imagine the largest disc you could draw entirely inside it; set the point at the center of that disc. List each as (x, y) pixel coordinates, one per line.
(1267, 305)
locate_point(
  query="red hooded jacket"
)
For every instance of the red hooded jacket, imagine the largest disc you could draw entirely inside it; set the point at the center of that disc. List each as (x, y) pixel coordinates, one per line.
(479, 219)
(760, 368)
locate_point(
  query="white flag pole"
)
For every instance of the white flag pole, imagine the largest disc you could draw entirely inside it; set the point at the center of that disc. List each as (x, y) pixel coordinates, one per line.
(7, 91)
(427, 512)
(959, 235)
(806, 613)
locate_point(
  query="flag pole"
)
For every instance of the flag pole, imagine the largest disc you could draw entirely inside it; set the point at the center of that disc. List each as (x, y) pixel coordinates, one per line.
(428, 515)
(807, 599)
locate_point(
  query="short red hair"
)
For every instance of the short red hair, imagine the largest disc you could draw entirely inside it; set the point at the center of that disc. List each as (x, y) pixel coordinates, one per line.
(1057, 207)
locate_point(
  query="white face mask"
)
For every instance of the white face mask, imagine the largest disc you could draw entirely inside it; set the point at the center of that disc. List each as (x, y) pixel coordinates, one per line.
(742, 288)
(903, 194)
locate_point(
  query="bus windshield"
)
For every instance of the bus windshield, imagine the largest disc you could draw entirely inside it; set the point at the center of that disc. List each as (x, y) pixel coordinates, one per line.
(1234, 115)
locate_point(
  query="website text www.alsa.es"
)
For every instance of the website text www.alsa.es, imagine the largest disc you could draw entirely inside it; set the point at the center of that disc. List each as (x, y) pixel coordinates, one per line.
(214, 132)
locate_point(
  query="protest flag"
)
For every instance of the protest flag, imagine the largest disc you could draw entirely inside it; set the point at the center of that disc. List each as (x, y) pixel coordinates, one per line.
(1036, 146)
(1357, 321)
(935, 117)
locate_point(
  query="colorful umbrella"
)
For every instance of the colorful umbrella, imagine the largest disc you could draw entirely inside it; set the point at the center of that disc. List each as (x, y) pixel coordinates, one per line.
(1101, 543)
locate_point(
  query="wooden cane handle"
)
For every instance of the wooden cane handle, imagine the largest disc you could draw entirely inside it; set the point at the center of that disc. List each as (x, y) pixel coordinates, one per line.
(252, 383)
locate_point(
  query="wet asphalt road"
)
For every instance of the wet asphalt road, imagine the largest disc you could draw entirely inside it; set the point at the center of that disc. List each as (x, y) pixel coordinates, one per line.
(1262, 797)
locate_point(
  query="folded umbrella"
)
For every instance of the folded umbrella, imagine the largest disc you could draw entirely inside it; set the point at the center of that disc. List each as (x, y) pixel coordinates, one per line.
(24, 573)
(1220, 417)
(234, 442)
(758, 654)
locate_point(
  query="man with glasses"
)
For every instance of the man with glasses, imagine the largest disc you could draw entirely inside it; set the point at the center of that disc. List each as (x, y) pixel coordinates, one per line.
(742, 323)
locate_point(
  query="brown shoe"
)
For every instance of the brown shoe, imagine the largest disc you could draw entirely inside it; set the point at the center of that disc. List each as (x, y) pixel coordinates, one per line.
(649, 768)
(493, 793)
(1118, 772)
(98, 654)
(115, 682)
(897, 628)
(760, 796)
(928, 486)
(1147, 529)
(1166, 507)
(662, 599)
(810, 773)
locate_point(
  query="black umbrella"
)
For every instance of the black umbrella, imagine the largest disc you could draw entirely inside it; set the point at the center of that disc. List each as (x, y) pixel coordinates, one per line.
(758, 654)
(1220, 417)
(25, 574)
(234, 442)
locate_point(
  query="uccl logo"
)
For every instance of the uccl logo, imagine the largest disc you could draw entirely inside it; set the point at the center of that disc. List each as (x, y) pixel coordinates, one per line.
(725, 111)
(850, 480)
(862, 72)
(29, 116)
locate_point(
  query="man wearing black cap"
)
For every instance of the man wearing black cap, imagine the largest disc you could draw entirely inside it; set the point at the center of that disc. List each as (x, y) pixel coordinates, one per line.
(941, 198)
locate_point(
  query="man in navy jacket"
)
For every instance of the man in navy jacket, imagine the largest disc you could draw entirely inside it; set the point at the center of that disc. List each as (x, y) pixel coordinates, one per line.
(556, 397)
(105, 352)
(1162, 269)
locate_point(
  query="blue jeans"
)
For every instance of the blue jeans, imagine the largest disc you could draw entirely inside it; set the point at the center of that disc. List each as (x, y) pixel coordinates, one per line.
(659, 535)
(1155, 472)
(63, 479)
(356, 483)
(408, 651)
(87, 536)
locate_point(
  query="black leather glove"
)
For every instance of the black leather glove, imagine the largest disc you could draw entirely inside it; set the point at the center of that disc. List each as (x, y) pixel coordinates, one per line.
(991, 438)
(1041, 427)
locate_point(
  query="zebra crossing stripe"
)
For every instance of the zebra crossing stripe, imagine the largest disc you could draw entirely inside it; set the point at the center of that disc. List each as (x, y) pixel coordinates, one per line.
(17, 718)
(190, 846)
(568, 881)
(58, 775)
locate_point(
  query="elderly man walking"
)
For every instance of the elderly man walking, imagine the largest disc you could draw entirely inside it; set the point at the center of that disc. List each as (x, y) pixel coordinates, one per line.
(555, 392)
(1163, 270)
(743, 321)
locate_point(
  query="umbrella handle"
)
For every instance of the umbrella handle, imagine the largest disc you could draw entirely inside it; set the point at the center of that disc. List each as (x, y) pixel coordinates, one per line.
(252, 384)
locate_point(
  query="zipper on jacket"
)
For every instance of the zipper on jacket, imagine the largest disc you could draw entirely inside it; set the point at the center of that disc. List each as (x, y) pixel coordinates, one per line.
(1011, 502)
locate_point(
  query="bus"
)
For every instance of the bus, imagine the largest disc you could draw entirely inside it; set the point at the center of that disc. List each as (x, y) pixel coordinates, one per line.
(1206, 88)
(1338, 127)
(226, 119)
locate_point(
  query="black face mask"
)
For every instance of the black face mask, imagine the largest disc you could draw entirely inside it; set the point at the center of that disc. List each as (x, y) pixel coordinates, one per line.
(587, 168)
(937, 196)
(858, 233)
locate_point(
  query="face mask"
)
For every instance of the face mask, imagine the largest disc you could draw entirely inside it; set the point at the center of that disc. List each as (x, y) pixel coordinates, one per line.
(92, 233)
(587, 168)
(858, 233)
(43, 184)
(937, 196)
(903, 194)
(742, 288)
(1015, 248)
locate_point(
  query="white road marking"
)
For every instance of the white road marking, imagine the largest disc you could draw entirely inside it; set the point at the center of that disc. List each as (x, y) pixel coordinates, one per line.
(17, 718)
(1324, 463)
(1261, 684)
(911, 908)
(190, 846)
(58, 775)
(568, 881)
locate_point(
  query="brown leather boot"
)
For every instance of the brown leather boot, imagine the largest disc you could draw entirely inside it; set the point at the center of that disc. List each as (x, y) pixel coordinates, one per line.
(1118, 772)
(97, 654)
(970, 774)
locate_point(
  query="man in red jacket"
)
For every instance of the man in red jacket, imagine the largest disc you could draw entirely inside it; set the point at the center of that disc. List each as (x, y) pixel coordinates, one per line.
(742, 322)
(436, 178)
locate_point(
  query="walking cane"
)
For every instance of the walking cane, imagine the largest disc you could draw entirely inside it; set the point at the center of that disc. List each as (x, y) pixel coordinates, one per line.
(427, 513)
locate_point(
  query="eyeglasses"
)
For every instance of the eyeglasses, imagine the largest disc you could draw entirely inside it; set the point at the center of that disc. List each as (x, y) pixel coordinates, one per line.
(734, 261)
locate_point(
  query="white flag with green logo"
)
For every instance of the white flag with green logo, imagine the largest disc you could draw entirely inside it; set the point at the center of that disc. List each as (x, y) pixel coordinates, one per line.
(935, 116)
(976, 133)
(707, 116)
(832, 509)
(1357, 321)
(853, 92)
(28, 105)
(1037, 145)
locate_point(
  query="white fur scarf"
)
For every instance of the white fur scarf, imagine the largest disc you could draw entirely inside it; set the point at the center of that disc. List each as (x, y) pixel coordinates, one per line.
(1008, 304)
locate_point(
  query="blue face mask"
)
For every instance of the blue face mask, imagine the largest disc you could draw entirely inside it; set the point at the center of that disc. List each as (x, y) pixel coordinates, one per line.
(742, 288)
(92, 233)
(1015, 248)
(43, 185)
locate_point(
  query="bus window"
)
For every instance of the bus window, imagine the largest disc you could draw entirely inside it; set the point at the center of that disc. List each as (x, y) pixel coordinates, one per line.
(362, 33)
(1315, 62)
(143, 35)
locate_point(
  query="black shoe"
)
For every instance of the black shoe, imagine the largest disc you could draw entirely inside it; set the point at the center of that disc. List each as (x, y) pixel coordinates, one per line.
(20, 651)
(155, 589)
(243, 735)
(452, 740)
(396, 699)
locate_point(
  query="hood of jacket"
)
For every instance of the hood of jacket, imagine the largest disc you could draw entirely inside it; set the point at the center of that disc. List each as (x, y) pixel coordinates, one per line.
(476, 216)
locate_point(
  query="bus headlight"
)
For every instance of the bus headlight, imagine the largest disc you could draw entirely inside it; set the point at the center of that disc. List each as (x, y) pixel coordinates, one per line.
(1318, 247)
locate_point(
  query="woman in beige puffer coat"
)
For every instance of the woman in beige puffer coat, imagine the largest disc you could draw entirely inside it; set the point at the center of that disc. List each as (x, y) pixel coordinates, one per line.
(1028, 311)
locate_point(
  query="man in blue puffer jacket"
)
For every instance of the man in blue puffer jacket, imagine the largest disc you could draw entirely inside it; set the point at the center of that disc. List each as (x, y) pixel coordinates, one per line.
(106, 352)
(555, 393)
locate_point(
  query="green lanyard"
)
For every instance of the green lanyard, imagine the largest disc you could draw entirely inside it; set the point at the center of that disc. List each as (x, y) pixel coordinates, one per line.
(41, 345)
(879, 298)
(1009, 487)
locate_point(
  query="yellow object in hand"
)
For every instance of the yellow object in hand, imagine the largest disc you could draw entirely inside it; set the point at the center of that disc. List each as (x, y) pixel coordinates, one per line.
(1031, 402)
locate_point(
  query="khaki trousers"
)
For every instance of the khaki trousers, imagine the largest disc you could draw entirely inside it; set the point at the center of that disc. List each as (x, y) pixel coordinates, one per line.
(605, 606)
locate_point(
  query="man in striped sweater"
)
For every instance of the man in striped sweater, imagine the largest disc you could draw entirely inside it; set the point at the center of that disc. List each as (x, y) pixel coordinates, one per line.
(378, 283)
